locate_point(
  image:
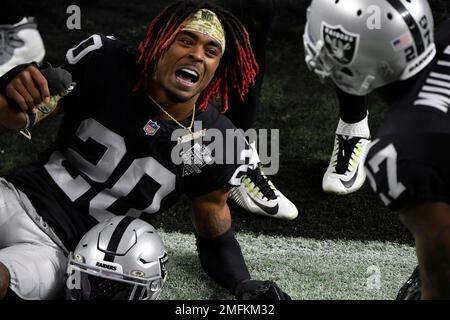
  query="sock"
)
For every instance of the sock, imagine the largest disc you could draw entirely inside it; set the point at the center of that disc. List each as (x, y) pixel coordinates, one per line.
(352, 109)
(359, 129)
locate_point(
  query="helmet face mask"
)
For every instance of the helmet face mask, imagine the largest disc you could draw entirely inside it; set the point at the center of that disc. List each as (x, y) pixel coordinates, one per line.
(341, 44)
(134, 270)
(95, 283)
(316, 57)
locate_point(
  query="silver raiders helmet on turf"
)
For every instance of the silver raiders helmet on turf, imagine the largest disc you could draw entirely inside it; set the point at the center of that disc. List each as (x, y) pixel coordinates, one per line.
(122, 258)
(365, 44)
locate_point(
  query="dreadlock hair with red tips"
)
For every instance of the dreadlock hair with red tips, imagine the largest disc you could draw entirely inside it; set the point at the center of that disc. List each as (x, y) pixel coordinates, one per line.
(238, 67)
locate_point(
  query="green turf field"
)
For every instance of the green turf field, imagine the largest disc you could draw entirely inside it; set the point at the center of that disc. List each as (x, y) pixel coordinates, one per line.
(336, 243)
(305, 268)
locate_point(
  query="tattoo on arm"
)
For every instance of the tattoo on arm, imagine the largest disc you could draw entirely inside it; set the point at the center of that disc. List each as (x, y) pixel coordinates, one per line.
(213, 227)
(212, 216)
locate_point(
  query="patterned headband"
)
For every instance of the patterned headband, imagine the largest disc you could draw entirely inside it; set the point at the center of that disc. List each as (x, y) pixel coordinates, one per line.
(207, 22)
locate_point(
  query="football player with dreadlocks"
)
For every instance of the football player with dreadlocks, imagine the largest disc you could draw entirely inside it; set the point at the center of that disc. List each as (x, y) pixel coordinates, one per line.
(113, 152)
(407, 163)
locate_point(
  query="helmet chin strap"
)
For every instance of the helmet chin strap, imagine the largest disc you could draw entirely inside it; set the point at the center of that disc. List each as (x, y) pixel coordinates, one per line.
(345, 82)
(367, 83)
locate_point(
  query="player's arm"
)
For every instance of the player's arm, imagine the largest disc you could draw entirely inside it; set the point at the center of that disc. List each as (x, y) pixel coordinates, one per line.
(22, 88)
(220, 253)
(30, 95)
(11, 117)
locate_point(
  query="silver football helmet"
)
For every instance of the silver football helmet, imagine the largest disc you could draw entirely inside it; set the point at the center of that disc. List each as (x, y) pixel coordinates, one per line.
(365, 44)
(122, 258)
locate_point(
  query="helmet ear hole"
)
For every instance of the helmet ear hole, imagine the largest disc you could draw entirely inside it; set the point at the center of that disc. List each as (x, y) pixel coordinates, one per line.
(144, 261)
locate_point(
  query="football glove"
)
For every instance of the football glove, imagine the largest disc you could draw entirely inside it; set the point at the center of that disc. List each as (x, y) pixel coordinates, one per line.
(260, 290)
(58, 79)
(59, 83)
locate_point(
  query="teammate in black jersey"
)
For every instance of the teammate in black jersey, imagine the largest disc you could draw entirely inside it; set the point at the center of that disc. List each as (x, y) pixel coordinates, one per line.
(114, 152)
(407, 163)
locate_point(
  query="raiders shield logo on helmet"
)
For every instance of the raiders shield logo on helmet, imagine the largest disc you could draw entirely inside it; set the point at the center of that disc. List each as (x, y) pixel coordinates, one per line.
(340, 44)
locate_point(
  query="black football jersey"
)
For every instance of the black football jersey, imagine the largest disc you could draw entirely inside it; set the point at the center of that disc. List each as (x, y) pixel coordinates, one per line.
(112, 157)
(408, 159)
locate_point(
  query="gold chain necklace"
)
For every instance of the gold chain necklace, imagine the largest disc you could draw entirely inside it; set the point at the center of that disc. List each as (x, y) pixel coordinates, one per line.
(172, 118)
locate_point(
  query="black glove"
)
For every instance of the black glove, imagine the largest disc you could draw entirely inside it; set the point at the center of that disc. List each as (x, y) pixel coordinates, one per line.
(59, 80)
(259, 290)
(59, 83)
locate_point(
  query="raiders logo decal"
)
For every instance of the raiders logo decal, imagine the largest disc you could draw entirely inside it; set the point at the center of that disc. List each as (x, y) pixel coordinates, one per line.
(340, 44)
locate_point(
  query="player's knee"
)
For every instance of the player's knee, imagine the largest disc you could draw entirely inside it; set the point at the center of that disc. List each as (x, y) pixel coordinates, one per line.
(4, 281)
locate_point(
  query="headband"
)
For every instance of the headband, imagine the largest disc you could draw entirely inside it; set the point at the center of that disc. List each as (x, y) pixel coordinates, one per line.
(207, 22)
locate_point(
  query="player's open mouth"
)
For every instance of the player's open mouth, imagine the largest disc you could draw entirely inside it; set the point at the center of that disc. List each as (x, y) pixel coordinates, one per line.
(187, 76)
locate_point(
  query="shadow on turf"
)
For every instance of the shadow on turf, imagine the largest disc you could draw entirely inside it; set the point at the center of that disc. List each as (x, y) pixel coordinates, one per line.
(359, 216)
(188, 265)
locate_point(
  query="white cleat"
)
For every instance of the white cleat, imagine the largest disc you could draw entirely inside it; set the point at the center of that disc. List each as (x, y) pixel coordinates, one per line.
(258, 195)
(20, 43)
(346, 173)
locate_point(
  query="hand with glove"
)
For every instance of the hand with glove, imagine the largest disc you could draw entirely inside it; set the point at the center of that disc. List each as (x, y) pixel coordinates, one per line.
(260, 290)
(59, 84)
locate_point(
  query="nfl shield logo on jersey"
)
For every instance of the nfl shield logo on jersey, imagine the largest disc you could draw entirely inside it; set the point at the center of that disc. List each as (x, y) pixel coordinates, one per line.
(151, 127)
(341, 44)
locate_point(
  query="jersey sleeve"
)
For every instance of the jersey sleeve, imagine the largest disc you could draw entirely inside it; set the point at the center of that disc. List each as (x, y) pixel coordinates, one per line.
(89, 56)
(220, 164)
(442, 34)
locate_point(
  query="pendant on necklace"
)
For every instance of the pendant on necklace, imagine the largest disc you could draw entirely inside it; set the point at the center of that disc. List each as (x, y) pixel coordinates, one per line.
(191, 136)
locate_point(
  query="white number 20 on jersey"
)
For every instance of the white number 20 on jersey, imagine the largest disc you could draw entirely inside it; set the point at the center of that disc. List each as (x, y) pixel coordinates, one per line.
(114, 150)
